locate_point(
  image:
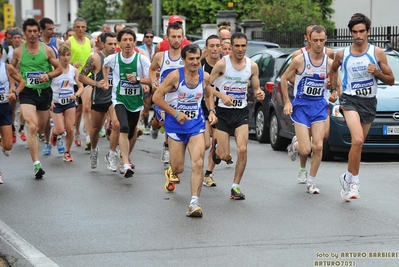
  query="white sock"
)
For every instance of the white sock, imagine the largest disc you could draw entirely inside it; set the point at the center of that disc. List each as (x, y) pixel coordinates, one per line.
(348, 177)
(310, 179)
(355, 179)
(193, 199)
(36, 162)
(112, 153)
(234, 185)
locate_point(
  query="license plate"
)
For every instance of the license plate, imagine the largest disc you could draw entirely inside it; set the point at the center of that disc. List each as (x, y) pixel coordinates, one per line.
(390, 130)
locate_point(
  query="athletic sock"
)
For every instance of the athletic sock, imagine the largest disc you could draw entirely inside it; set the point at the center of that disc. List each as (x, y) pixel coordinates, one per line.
(193, 199)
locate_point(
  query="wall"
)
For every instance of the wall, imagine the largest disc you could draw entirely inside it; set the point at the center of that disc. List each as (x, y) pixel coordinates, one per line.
(380, 12)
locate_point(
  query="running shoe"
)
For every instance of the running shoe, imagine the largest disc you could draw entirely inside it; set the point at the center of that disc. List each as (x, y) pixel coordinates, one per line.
(53, 139)
(22, 136)
(302, 177)
(14, 137)
(215, 157)
(60, 146)
(139, 132)
(162, 129)
(121, 166)
(147, 131)
(312, 189)
(46, 148)
(194, 210)
(291, 149)
(78, 140)
(169, 187)
(354, 191)
(1, 178)
(111, 162)
(41, 138)
(173, 178)
(236, 194)
(68, 157)
(229, 160)
(128, 172)
(345, 188)
(39, 172)
(88, 145)
(101, 133)
(94, 158)
(132, 165)
(6, 152)
(154, 133)
(209, 180)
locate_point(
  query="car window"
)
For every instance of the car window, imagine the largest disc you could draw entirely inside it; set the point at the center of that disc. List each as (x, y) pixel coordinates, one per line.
(266, 66)
(279, 62)
(286, 64)
(256, 58)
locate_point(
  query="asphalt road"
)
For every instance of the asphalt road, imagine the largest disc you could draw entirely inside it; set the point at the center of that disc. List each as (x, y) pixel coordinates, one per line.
(76, 216)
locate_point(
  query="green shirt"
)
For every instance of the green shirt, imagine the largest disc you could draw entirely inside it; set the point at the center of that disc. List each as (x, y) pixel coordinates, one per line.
(32, 66)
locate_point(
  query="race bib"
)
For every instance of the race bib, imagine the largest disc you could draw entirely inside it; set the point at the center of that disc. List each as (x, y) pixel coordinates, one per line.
(239, 98)
(33, 78)
(363, 88)
(129, 88)
(110, 79)
(2, 94)
(313, 87)
(63, 98)
(190, 109)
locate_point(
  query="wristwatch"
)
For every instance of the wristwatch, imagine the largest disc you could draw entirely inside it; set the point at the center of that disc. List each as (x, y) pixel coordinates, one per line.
(137, 79)
(212, 110)
(16, 94)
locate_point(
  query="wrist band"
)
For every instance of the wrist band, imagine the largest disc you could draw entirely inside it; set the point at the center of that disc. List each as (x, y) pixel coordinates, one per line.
(177, 114)
(96, 84)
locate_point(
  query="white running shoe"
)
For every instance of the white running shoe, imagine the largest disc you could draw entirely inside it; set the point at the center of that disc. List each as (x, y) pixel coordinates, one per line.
(291, 149)
(94, 159)
(312, 189)
(111, 162)
(345, 188)
(302, 177)
(354, 191)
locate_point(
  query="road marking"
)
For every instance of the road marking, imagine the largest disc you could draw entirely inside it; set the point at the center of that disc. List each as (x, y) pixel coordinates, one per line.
(20, 245)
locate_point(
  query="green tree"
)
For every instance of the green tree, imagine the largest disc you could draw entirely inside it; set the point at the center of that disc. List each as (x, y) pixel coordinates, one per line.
(138, 11)
(288, 15)
(95, 12)
(280, 15)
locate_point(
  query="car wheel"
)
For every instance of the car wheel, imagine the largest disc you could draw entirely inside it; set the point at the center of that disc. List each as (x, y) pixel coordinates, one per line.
(328, 155)
(262, 132)
(276, 141)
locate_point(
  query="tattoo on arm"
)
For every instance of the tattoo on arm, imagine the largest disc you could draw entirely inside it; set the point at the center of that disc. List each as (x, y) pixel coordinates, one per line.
(88, 66)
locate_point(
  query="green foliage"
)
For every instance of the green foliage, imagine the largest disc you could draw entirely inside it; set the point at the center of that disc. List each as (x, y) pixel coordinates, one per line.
(138, 11)
(95, 12)
(288, 15)
(279, 15)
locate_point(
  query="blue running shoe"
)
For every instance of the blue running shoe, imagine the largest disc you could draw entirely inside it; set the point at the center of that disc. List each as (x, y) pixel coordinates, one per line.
(46, 148)
(60, 146)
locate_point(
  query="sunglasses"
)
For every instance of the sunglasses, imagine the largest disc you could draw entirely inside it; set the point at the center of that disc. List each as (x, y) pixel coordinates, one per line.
(149, 36)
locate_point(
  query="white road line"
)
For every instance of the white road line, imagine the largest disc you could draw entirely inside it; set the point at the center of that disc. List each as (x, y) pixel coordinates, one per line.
(20, 245)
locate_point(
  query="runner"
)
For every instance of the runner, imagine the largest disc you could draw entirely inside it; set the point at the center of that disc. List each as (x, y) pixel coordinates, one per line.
(130, 69)
(38, 65)
(64, 104)
(101, 101)
(180, 95)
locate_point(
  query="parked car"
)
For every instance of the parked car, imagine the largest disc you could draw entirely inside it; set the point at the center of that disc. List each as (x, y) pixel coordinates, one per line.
(269, 62)
(253, 46)
(383, 136)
